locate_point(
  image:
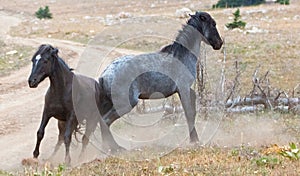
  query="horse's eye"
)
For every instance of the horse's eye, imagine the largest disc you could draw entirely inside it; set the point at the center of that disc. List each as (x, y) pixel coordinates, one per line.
(214, 24)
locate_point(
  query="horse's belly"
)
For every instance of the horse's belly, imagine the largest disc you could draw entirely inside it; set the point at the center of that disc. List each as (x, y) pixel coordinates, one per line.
(155, 95)
(155, 86)
(60, 117)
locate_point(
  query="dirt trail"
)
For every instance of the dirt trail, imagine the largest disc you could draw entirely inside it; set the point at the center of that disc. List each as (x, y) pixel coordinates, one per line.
(18, 121)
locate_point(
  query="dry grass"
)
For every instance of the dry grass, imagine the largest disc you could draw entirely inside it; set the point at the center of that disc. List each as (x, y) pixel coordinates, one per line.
(13, 57)
(200, 161)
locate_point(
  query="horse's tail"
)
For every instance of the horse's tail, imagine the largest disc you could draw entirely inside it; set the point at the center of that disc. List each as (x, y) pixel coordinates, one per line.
(100, 92)
(100, 83)
(102, 98)
(78, 131)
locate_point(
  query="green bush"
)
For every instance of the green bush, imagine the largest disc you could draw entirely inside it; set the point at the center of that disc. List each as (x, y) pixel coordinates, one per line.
(237, 23)
(285, 2)
(237, 3)
(43, 13)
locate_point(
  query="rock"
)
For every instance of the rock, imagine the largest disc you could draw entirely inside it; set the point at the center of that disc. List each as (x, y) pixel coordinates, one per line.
(263, 11)
(109, 20)
(124, 15)
(12, 52)
(296, 17)
(255, 30)
(183, 13)
(87, 17)
(237, 29)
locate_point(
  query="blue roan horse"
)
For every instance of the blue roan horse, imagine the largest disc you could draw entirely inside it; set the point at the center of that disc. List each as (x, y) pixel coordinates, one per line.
(160, 74)
(70, 99)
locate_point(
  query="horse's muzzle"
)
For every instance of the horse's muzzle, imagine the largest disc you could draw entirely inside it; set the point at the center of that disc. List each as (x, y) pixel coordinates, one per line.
(33, 83)
(218, 45)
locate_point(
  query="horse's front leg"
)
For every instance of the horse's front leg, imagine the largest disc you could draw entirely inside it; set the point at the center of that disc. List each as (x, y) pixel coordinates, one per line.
(40, 133)
(70, 127)
(188, 101)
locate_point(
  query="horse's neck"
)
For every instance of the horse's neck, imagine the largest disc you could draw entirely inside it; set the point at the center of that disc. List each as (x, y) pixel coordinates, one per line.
(61, 77)
(190, 38)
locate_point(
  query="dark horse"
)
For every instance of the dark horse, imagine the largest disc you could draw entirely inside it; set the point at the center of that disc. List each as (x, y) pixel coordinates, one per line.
(69, 99)
(160, 74)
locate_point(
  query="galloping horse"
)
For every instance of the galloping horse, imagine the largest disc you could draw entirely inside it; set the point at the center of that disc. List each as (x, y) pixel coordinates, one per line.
(160, 74)
(61, 103)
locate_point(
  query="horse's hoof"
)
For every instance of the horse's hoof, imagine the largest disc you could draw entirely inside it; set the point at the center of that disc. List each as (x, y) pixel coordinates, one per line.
(36, 154)
(119, 149)
(194, 139)
(81, 157)
(68, 161)
(195, 142)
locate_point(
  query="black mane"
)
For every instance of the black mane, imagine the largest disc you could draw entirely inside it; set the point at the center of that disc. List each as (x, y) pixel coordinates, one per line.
(64, 63)
(48, 48)
(176, 49)
(195, 21)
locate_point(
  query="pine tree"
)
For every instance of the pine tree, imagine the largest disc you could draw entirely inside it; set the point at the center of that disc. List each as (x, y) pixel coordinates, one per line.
(237, 23)
(284, 2)
(43, 13)
(237, 3)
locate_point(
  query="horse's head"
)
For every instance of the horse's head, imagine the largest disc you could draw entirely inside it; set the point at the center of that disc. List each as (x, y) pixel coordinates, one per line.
(42, 64)
(206, 25)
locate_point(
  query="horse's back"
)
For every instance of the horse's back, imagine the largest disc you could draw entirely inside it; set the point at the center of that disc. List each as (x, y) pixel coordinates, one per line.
(143, 74)
(131, 64)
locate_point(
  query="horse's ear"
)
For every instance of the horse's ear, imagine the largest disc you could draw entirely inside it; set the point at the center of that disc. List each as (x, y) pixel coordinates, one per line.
(54, 51)
(42, 46)
(192, 16)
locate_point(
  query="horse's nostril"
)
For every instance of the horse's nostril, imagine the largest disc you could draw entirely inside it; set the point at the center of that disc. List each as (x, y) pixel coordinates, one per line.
(31, 82)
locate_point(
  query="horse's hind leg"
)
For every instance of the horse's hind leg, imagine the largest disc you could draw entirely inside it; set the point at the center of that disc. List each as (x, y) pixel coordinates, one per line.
(108, 119)
(110, 116)
(70, 127)
(114, 114)
(61, 129)
(107, 137)
(90, 127)
(194, 135)
(188, 101)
